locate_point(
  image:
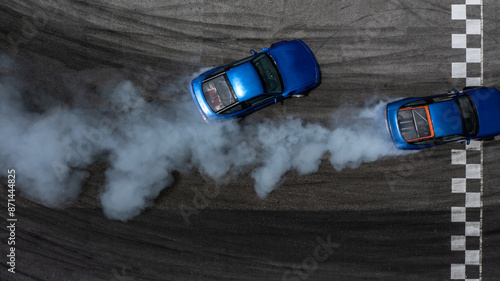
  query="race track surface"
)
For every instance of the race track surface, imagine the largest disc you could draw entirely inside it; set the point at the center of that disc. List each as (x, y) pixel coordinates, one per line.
(385, 220)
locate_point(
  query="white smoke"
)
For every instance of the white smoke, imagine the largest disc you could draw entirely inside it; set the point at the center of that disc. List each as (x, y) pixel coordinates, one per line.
(355, 136)
(145, 142)
(37, 144)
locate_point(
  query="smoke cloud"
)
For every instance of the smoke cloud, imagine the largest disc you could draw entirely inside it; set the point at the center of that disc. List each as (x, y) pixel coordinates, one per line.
(145, 142)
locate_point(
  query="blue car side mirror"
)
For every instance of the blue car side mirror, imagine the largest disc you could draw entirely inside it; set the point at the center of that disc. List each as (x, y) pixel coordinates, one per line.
(253, 52)
(468, 141)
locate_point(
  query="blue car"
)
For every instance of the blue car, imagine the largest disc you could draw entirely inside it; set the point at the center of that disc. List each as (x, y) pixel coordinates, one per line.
(416, 123)
(286, 69)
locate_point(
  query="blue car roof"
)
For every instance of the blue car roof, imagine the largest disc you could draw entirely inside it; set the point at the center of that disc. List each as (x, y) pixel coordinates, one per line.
(245, 81)
(446, 118)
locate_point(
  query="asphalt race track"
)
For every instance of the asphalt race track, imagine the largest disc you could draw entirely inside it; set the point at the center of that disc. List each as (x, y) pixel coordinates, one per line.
(386, 220)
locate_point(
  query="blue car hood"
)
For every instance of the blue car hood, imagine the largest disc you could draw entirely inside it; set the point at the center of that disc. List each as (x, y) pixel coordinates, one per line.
(487, 101)
(248, 87)
(296, 63)
(446, 118)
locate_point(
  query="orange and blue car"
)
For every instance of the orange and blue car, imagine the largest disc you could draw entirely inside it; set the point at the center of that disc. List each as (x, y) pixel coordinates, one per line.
(472, 114)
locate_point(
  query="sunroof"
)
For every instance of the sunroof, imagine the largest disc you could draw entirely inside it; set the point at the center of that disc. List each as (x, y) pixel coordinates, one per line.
(415, 123)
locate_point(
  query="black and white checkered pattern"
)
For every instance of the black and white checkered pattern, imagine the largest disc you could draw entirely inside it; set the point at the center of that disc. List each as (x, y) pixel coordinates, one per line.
(468, 267)
(468, 214)
(469, 13)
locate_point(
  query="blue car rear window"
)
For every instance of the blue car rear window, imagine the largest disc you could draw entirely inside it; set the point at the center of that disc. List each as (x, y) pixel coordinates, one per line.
(219, 93)
(415, 123)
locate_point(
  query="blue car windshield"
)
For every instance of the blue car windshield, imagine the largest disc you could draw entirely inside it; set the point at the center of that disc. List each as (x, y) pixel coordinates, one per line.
(269, 74)
(469, 115)
(219, 93)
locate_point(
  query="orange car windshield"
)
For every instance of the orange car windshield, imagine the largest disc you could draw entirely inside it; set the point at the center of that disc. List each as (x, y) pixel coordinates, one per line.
(415, 123)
